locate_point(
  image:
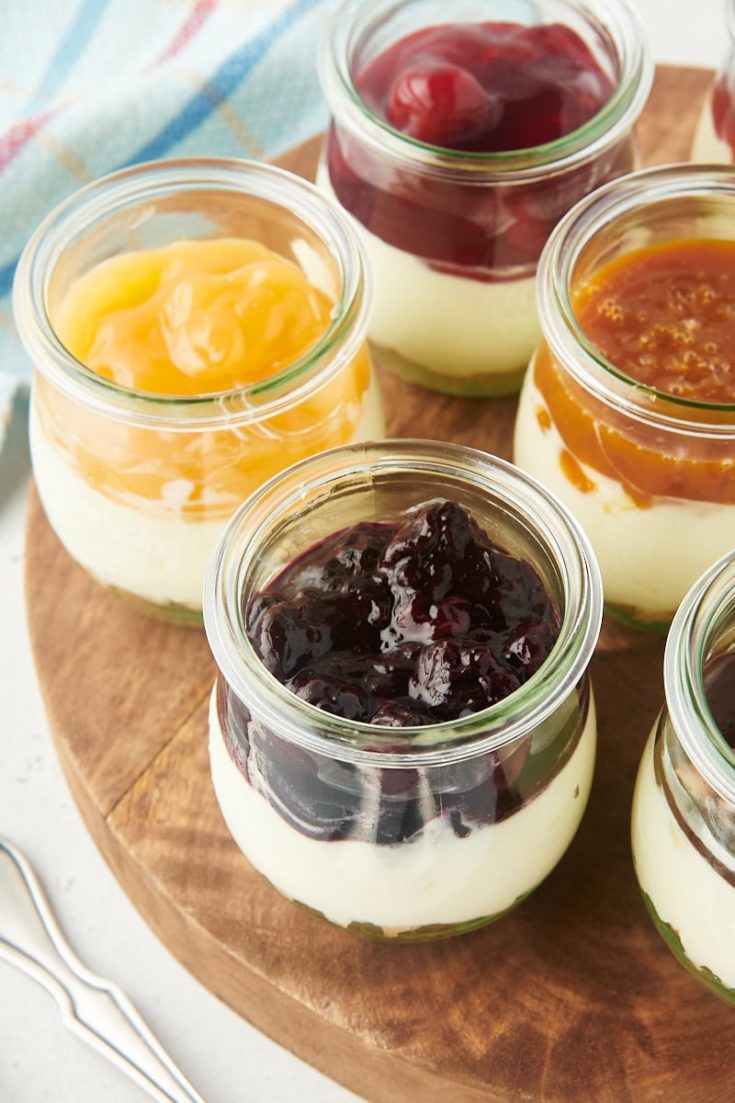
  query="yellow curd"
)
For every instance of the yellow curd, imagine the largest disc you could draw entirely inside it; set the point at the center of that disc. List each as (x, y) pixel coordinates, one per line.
(198, 318)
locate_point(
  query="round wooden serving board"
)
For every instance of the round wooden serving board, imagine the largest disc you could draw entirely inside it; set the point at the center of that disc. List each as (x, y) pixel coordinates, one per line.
(571, 999)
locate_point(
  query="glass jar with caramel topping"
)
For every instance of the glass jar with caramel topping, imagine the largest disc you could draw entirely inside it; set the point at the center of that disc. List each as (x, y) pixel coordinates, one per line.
(628, 411)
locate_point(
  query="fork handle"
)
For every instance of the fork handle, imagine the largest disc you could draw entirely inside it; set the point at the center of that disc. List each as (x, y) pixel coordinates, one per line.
(93, 1008)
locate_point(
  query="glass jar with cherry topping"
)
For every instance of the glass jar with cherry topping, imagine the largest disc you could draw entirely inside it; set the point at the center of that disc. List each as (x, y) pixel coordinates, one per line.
(402, 733)
(457, 142)
(628, 411)
(195, 327)
(683, 827)
(714, 138)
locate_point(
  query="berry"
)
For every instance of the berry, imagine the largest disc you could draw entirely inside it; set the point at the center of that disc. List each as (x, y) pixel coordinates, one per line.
(443, 105)
(399, 624)
(317, 796)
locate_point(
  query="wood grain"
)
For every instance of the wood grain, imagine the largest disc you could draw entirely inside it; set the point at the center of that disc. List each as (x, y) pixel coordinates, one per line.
(571, 998)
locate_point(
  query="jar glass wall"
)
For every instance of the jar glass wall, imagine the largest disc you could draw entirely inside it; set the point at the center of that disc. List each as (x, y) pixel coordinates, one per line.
(642, 470)
(454, 236)
(683, 825)
(415, 832)
(137, 484)
(714, 137)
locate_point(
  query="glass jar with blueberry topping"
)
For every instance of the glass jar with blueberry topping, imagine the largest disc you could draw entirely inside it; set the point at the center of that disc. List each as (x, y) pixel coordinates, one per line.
(460, 135)
(402, 734)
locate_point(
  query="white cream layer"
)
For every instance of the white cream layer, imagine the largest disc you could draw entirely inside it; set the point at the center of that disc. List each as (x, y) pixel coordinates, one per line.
(707, 146)
(434, 878)
(447, 323)
(160, 558)
(649, 558)
(685, 890)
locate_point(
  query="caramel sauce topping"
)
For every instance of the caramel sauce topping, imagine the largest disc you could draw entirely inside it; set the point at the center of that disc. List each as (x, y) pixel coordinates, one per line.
(664, 316)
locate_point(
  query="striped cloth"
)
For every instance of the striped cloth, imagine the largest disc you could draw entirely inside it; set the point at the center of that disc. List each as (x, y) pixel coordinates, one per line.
(89, 86)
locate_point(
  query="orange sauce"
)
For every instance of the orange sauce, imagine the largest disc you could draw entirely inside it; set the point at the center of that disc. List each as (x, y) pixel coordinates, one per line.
(197, 318)
(543, 418)
(665, 317)
(574, 473)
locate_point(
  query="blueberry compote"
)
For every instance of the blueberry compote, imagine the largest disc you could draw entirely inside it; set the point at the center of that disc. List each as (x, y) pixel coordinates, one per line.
(403, 623)
(474, 88)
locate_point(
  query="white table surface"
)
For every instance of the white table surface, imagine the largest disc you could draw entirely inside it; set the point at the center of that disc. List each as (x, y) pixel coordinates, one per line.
(229, 1061)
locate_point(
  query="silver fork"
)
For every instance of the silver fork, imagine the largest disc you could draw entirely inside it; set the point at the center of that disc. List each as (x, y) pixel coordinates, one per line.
(96, 1011)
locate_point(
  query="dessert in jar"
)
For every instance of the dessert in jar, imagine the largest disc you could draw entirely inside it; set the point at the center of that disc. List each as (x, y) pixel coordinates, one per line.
(195, 326)
(714, 138)
(457, 141)
(683, 825)
(628, 411)
(402, 734)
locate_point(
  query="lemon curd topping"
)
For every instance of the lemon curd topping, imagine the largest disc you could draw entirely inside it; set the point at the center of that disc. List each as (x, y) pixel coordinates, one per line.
(199, 318)
(192, 318)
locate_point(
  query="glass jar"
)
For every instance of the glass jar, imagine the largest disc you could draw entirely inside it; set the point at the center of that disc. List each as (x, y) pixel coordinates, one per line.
(714, 137)
(683, 826)
(454, 237)
(431, 830)
(641, 470)
(136, 485)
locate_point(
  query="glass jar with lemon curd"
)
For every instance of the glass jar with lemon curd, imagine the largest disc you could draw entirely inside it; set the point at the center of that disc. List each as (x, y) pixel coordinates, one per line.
(460, 134)
(683, 826)
(628, 410)
(195, 326)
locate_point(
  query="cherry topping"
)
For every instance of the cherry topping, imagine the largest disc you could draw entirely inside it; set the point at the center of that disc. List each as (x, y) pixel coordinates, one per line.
(492, 87)
(443, 105)
(723, 112)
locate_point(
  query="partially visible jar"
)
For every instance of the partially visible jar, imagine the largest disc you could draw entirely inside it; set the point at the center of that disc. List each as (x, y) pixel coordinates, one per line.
(683, 826)
(138, 485)
(714, 138)
(649, 475)
(454, 237)
(411, 832)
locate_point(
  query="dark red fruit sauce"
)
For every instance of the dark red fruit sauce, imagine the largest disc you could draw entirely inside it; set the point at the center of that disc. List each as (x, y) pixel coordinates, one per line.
(723, 112)
(398, 623)
(484, 87)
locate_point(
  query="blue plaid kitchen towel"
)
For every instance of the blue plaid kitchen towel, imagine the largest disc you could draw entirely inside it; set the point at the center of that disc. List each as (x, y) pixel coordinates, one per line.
(90, 86)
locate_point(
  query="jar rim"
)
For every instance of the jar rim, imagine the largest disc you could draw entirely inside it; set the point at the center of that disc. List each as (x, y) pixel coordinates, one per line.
(708, 607)
(609, 124)
(497, 726)
(149, 181)
(567, 341)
